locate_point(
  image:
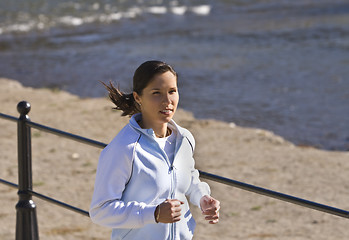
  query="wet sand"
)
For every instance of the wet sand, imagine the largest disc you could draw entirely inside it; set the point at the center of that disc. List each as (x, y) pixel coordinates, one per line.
(65, 170)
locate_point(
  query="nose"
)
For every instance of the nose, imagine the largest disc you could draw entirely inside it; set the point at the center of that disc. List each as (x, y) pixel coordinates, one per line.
(167, 99)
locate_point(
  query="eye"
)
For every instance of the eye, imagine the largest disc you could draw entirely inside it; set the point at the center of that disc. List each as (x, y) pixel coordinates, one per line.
(155, 93)
(173, 91)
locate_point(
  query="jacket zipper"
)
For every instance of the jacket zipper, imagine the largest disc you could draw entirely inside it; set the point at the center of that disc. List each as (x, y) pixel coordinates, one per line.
(173, 178)
(172, 190)
(173, 182)
(172, 195)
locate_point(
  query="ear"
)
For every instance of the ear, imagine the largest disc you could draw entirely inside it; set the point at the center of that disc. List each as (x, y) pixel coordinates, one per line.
(137, 98)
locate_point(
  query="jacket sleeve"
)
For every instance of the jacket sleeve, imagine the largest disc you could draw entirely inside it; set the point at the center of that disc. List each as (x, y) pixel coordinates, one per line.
(197, 188)
(113, 172)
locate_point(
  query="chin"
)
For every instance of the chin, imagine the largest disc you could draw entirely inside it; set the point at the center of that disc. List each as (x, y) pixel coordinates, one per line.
(166, 119)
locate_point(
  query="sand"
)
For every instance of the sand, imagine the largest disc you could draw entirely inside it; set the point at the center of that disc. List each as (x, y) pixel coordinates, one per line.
(65, 170)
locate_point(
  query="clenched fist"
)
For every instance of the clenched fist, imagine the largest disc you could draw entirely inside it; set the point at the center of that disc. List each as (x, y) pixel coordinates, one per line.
(169, 211)
(210, 208)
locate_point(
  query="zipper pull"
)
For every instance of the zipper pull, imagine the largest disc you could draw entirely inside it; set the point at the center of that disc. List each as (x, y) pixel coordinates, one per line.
(171, 168)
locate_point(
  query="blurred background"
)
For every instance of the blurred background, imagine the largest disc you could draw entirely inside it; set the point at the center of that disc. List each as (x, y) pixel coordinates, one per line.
(281, 65)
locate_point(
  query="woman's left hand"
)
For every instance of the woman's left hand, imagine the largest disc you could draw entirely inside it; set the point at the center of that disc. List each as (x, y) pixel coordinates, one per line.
(210, 208)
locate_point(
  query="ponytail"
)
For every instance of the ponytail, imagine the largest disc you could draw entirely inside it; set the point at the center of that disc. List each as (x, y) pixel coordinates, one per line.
(124, 102)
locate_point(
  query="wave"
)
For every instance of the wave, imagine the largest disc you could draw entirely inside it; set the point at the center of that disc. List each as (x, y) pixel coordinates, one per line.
(18, 16)
(70, 14)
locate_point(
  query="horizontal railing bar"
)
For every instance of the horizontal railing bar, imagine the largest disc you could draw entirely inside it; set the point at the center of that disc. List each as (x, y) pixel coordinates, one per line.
(48, 199)
(57, 132)
(277, 195)
(59, 203)
(10, 184)
(216, 178)
(66, 135)
(8, 117)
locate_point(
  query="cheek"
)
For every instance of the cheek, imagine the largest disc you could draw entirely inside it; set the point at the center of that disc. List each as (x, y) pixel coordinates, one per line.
(175, 99)
(151, 103)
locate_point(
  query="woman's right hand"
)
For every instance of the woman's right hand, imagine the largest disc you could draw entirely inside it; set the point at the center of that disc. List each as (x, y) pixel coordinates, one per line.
(169, 211)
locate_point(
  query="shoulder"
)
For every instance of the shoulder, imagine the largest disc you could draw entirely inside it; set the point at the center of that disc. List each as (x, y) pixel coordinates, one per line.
(126, 136)
(187, 135)
(123, 143)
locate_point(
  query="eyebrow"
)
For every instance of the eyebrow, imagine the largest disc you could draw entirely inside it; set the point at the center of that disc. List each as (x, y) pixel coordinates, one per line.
(157, 89)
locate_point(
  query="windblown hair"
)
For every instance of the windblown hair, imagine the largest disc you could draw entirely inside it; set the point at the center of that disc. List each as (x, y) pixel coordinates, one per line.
(124, 102)
(143, 75)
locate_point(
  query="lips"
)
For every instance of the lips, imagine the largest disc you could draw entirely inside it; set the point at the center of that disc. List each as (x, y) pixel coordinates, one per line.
(166, 111)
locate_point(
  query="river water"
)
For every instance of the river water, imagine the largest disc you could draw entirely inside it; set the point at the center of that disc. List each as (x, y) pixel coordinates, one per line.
(281, 65)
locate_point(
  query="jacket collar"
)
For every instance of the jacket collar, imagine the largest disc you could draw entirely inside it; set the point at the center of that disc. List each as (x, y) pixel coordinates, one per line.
(150, 132)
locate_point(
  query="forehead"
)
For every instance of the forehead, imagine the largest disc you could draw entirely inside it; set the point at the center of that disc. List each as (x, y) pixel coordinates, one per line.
(163, 80)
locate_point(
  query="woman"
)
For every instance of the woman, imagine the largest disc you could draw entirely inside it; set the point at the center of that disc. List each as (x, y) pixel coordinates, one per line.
(147, 170)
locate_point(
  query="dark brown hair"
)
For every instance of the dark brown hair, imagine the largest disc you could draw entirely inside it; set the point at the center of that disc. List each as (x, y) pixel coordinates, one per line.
(143, 75)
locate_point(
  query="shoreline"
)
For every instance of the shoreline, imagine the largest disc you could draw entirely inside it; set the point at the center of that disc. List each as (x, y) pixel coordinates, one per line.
(64, 170)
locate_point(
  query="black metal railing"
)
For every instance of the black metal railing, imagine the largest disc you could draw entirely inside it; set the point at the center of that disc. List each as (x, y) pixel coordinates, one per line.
(26, 220)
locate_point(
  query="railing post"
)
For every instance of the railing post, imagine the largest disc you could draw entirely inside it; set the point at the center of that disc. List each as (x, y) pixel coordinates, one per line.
(26, 222)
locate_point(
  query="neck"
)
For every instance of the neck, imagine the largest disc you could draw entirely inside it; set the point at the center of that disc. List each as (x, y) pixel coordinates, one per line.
(160, 130)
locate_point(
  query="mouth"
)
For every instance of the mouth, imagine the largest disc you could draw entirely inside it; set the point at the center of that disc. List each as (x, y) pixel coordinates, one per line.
(166, 111)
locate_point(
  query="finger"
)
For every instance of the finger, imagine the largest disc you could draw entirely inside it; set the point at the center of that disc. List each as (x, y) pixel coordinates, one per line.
(176, 202)
(210, 211)
(180, 202)
(176, 209)
(177, 219)
(217, 205)
(214, 221)
(215, 217)
(175, 215)
(215, 208)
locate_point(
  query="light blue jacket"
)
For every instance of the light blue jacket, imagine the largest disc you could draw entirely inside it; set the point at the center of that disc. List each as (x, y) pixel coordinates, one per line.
(134, 175)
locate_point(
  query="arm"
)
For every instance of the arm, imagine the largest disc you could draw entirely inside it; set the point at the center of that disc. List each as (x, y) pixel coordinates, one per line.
(107, 209)
(197, 188)
(199, 193)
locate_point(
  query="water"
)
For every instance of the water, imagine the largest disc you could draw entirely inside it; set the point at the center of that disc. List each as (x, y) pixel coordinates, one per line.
(277, 65)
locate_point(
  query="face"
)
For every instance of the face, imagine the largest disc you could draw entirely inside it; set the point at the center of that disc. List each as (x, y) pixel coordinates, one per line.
(159, 99)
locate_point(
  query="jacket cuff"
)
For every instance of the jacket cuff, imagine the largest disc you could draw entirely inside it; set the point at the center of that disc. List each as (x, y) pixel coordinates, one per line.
(202, 191)
(148, 214)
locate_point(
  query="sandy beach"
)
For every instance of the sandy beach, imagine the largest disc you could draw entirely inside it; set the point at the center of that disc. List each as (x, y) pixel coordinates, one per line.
(65, 170)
